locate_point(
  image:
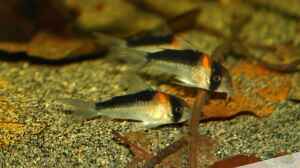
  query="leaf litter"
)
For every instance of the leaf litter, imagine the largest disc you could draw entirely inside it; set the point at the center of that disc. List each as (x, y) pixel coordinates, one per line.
(140, 144)
(54, 47)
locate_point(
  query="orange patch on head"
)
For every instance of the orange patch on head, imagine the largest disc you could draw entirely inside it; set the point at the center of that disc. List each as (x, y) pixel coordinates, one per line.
(175, 43)
(205, 62)
(161, 98)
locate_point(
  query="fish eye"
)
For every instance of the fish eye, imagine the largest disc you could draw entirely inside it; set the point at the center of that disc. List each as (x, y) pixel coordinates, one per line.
(178, 109)
(217, 78)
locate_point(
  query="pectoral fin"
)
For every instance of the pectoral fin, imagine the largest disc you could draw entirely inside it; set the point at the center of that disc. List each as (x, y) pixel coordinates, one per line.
(133, 83)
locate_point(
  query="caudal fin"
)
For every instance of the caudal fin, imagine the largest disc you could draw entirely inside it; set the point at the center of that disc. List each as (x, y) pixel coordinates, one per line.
(78, 108)
(130, 56)
(119, 51)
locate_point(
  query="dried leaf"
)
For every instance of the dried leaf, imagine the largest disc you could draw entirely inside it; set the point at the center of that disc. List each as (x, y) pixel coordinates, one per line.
(141, 138)
(206, 150)
(54, 47)
(276, 85)
(258, 99)
(235, 161)
(139, 144)
(139, 153)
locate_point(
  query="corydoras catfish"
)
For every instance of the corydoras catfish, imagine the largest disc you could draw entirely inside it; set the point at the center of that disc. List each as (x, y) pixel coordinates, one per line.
(152, 108)
(185, 67)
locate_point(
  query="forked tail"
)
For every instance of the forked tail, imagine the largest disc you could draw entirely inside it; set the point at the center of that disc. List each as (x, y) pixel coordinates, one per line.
(78, 108)
(119, 51)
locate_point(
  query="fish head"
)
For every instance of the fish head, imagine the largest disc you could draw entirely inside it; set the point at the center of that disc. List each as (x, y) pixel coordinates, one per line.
(212, 75)
(220, 80)
(179, 109)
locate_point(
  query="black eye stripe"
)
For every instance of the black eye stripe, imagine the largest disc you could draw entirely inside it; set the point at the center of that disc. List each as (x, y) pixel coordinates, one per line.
(177, 108)
(216, 76)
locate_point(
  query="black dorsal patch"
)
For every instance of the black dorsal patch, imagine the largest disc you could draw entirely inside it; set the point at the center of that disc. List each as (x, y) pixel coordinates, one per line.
(188, 57)
(149, 40)
(216, 76)
(177, 108)
(143, 96)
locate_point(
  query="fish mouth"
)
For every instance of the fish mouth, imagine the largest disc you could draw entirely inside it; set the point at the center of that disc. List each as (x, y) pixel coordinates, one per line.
(220, 79)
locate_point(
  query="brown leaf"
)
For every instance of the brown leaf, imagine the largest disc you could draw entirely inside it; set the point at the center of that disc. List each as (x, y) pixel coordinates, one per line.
(54, 47)
(145, 141)
(140, 154)
(205, 149)
(277, 85)
(235, 161)
(141, 139)
(257, 100)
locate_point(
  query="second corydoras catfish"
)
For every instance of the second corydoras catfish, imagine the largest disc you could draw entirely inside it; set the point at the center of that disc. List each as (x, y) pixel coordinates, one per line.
(185, 67)
(188, 68)
(153, 108)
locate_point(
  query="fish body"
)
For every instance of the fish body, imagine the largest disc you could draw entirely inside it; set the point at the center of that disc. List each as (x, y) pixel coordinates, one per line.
(188, 68)
(152, 108)
(163, 59)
